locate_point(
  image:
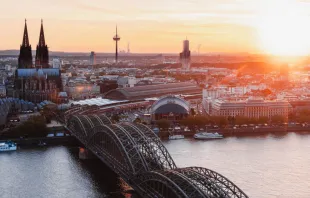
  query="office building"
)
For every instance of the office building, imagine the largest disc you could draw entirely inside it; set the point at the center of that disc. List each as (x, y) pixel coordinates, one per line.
(185, 56)
(251, 108)
(92, 58)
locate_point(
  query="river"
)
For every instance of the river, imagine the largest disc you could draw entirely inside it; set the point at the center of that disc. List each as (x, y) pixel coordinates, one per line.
(265, 166)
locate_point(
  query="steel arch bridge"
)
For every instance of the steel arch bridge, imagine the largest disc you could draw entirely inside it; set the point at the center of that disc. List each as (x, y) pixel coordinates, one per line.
(137, 155)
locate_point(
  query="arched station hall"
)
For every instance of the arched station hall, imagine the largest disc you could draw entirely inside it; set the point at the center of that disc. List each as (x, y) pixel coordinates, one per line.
(170, 108)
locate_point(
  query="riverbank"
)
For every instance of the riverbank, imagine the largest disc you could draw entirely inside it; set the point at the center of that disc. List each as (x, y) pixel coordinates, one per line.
(49, 141)
(250, 131)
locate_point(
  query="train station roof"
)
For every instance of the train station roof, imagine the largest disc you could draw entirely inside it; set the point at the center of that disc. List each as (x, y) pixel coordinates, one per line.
(148, 91)
(95, 101)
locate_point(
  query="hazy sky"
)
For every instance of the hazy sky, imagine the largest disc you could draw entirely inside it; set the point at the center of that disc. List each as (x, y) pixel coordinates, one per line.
(160, 25)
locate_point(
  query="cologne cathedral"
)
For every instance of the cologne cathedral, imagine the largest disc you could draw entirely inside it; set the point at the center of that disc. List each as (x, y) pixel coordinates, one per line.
(36, 82)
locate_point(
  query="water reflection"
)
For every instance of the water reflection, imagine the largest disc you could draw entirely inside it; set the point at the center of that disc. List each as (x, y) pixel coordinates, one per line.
(56, 172)
(263, 166)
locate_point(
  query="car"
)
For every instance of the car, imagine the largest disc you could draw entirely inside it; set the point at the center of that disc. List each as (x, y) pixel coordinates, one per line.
(177, 128)
(186, 129)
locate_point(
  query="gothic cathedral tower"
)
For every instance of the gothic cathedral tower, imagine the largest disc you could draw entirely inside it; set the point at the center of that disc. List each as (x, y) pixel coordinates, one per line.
(41, 60)
(25, 54)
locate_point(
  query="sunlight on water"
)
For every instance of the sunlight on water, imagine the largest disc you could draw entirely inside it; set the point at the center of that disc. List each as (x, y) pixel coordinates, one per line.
(270, 166)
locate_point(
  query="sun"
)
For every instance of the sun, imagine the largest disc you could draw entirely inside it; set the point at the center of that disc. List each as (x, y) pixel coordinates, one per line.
(283, 28)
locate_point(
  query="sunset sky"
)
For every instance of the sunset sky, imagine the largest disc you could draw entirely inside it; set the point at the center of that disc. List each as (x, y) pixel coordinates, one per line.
(279, 27)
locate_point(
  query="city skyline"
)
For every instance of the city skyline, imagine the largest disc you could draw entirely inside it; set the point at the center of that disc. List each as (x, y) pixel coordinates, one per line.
(274, 26)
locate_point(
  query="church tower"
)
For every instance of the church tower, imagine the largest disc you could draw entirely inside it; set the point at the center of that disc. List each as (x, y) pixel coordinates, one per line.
(25, 53)
(41, 60)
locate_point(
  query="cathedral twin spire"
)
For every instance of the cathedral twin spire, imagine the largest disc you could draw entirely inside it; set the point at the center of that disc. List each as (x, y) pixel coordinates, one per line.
(25, 56)
(42, 38)
(25, 37)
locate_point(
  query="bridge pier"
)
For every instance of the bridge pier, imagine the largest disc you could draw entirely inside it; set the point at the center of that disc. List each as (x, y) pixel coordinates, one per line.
(85, 154)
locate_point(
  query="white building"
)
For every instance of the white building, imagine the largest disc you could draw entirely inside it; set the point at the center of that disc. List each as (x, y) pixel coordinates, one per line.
(82, 91)
(8, 68)
(56, 63)
(132, 81)
(256, 87)
(210, 93)
(252, 108)
(286, 96)
(238, 90)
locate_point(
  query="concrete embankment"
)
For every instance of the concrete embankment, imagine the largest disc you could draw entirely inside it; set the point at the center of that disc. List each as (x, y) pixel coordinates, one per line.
(226, 132)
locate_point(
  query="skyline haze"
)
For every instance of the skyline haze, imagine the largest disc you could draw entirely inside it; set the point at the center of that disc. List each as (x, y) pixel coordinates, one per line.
(273, 26)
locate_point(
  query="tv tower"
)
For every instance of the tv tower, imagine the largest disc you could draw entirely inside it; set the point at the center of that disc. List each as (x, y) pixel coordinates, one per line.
(116, 38)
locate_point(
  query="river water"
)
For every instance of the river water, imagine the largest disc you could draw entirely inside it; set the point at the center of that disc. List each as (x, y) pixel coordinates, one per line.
(264, 167)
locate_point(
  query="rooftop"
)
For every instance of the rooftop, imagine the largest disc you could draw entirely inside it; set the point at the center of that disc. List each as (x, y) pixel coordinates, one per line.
(96, 101)
(149, 91)
(37, 72)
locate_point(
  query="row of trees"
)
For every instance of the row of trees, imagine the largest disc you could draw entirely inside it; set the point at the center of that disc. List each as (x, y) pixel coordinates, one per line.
(302, 116)
(35, 126)
(200, 121)
(239, 120)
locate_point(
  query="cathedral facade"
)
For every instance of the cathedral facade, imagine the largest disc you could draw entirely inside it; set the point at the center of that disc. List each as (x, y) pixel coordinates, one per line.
(36, 82)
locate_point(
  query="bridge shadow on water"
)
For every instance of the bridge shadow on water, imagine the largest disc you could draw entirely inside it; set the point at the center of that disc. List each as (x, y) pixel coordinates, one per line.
(108, 184)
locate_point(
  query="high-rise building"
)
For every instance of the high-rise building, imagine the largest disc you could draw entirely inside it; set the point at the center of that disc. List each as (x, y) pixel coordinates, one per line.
(25, 53)
(92, 58)
(42, 56)
(185, 56)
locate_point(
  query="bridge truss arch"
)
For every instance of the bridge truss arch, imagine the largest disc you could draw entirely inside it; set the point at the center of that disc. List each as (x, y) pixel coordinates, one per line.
(136, 154)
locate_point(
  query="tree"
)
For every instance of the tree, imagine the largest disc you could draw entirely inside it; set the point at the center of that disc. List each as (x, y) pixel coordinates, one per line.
(253, 120)
(277, 119)
(303, 118)
(190, 122)
(48, 112)
(239, 120)
(263, 120)
(219, 120)
(292, 116)
(305, 112)
(163, 124)
(102, 73)
(137, 120)
(193, 112)
(115, 118)
(35, 126)
(231, 119)
(193, 121)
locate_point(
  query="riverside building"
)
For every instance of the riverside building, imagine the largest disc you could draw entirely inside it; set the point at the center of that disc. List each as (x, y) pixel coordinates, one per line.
(252, 108)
